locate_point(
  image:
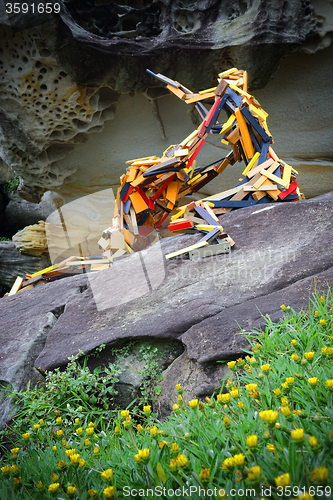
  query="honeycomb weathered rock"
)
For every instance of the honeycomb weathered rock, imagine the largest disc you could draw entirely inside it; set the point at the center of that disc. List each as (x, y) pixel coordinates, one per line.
(62, 74)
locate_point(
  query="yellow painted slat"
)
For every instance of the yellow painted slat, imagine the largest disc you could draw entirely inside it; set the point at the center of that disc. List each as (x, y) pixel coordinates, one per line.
(251, 163)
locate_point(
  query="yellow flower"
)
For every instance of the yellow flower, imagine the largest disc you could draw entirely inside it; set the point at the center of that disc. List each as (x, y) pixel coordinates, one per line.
(41, 421)
(284, 401)
(298, 413)
(294, 357)
(322, 322)
(26, 436)
(290, 380)
(283, 307)
(193, 403)
(277, 425)
(108, 492)
(283, 480)
(285, 410)
(180, 399)
(240, 361)
(228, 463)
(253, 360)
(139, 428)
(173, 464)
(277, 391)
(297, 434)
(316, 313)
(96, 450)
(252, 441)
(54, 477)
(70, 452)
(147, 409)
(107, 475)
(144, 453)
(254, 473)
(285, 386)
(329, 351)
(265, 368)
(181, 460)
(116, 430)
(54, 448)
(226, 421)
(322, 299)
(305, 496)
(320, 474)
(234, 393)
(71, 490)
(15, 450)
(313, 380)
(17, 480)
(5, 470)
(175, 407)
(124, 413)
(40, 485)
(36, 427)
(251, 387)
(313, 441)
(223, 398)
(77, 420)
(87, 442)
(53, 488)
(14, 470)
(204, 474)
(241, 404)
(153, 431)
(270, 447)
(82, 463)
(91, 424)
(239, 459)
(60, 433)
(269, 416)
(329, 383)
(175, 447)
(309, 355)
(59, 420)
(92, 493)
(232, 366)
(65, 444)
(75, 459)
(179, 388)
(162, 444)
(79, 430)
(324, 350)
(62, 464)
(294, 342)
(89, 430)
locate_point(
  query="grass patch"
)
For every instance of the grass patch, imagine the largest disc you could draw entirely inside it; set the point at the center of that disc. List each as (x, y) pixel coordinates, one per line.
(268, 434)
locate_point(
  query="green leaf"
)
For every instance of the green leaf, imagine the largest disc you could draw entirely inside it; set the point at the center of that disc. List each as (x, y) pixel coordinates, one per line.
(160, 472)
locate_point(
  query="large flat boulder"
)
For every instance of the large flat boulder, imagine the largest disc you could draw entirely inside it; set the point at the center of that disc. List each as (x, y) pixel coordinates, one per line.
(282, 252)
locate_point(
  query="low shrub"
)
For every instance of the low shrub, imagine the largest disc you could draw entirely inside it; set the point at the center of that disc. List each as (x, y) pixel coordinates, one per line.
(267, 434)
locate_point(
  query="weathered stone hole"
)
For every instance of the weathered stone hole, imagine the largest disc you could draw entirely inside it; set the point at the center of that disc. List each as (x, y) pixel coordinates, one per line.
(45, 53)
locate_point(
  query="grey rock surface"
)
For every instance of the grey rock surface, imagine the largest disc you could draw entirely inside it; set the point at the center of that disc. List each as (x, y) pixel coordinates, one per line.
(26, 320)
(283, 252)
(13, 263)
(20, 213)
(280, 248)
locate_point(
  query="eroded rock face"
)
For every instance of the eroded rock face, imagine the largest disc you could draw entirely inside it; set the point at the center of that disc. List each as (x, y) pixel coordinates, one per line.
(62, 75)
(13, 264)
